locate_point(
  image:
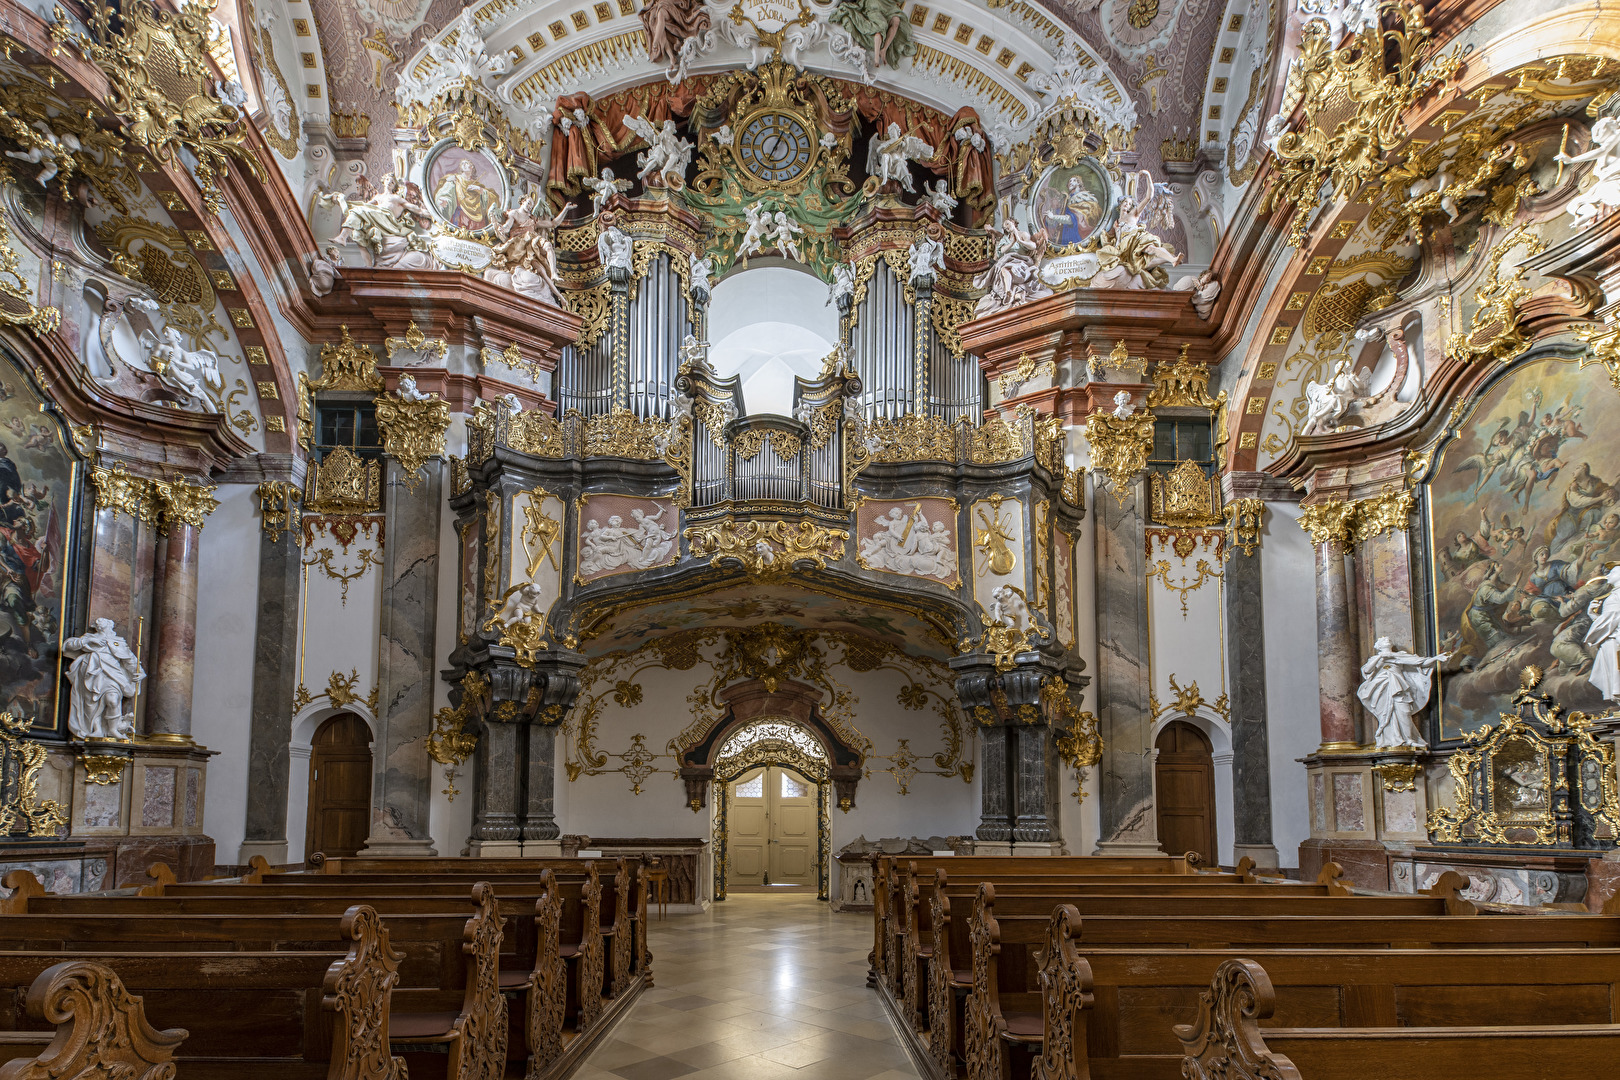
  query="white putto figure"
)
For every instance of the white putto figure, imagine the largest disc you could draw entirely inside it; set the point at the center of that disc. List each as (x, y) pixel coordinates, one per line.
(759, 227)
(1326, 404)
(1604, 639)
(667, 154)
(640, 546)
(1394, 686)
(47, 148)
(908, 544)
(1008, 608)
(104, 678)
(925, 256)
(939, 196)
(604, 188)
(407, 390)
(1604, 155)
(522, 604)
(1122, 405)
(785, 235)
(887, 159)
(615, 248)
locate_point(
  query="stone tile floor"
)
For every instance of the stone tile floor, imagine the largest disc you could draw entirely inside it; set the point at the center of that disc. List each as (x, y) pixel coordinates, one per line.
(759, 987)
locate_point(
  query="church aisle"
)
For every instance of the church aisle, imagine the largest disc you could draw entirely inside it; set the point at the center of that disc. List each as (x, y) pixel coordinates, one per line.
(760, 987)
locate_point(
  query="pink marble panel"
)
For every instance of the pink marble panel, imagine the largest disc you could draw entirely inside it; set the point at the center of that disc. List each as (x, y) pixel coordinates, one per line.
(157, 807)
(1349, 810)
(104, 805)
(1318, 804)
(1400, 812)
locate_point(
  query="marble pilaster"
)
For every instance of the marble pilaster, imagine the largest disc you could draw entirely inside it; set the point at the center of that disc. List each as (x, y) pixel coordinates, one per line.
(402, 781)
(1036, 785)
(121, 584)
(1246, 682)
(995, 787)
(168, 713)
(540, 809)
(1385, 581)
(497, 791)
(275, 681)
(1337, 654)
(1128, 823)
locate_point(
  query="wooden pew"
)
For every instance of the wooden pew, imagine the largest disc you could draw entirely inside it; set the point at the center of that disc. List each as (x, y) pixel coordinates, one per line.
(1009, 997)
(101, 1029)
(475, 1034)
(1227, 1040)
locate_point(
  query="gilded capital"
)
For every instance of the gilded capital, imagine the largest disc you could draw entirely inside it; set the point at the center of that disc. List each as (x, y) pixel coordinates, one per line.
(181, 503)
(279, 509)
(413, 429)
(1391, 510)
(1119, 446)
(1243, 520)
(1330, 522)
(119, 490)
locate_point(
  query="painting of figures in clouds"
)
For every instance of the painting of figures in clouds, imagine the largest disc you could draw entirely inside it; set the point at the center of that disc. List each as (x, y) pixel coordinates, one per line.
(1524, 516)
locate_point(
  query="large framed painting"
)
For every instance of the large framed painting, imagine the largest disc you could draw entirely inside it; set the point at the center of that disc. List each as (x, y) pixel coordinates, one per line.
(466, 188)
(1070, 203)
(1524, 518)
(40, 477)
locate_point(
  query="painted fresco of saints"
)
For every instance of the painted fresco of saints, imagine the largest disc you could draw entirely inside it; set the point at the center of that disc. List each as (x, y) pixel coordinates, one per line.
(465, 201)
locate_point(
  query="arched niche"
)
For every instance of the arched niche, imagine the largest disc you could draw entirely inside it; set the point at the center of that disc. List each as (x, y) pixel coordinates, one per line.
(766, 741)
(752, 701)
(769, 324)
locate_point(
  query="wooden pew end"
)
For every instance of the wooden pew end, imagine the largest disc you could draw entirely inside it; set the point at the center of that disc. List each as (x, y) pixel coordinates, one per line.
(101, 1028)
(1245, 870)
(1225, 1039)
(1449, 887)
(1331, 876)
(258, 866)
(23, 884)
(161, 876)
(359, 989)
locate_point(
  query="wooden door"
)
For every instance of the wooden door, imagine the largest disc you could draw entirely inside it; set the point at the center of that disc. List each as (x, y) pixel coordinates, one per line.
(793, 829)
(1186, 791)
(748, 829)
(339, 787)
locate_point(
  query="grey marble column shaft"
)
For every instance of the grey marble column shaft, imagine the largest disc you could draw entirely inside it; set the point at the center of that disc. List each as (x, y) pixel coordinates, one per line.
(994, 785)
(1246, 688)
(275, 682)
(1036, 785)
(540, 813)
(1128, 821)
(496, 794)
(402, 781)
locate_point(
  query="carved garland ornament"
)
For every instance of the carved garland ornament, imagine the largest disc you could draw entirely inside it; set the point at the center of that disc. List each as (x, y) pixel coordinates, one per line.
(160, 84)
(766, 547)
(413, 432)
(1119, 447)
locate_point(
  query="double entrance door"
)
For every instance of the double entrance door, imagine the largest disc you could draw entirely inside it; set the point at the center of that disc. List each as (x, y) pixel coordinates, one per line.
(771, 829)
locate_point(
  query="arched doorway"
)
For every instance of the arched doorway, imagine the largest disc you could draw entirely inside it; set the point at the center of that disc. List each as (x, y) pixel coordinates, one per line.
(772, 812)
(339, 816)
(1185, 779)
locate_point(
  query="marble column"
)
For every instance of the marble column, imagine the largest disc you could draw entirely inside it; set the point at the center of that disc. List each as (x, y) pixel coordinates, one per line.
(275, 682)
(402, 780)
(1129, 823)
(122, 567)
(1246, 682)
(498, 789)
(168, 711)
(1337, 655)
(995, 787)
(1035, 784)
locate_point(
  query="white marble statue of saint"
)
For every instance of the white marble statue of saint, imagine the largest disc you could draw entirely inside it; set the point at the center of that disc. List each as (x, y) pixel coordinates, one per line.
(1603, 638)
(1604, 191)
(1394, 686)
(889, 155)
(615, 248)
(104, 678)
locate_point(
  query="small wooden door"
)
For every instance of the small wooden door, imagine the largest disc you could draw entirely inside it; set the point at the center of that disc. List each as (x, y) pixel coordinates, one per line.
(771, 829)
(793, 829)
(1186, 791)
(748, 829)
(339, 787)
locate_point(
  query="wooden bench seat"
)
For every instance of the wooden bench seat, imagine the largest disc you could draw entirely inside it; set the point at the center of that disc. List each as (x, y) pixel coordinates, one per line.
(1227, 1039)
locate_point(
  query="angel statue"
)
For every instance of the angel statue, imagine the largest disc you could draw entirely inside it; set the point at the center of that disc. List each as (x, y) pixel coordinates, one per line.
(604, 188)
(45, 149)
(667, 156)
(1015, 275)
(759, 227)
(1604, 154)
(888, 155)
(1603, 638)
(784, 235)
(883, 23)
(925, 256)
(1394, 686)
(613, 245)
(1326, 404)
(842, 288)
(389, 225)
(1134, 257)
(940, 197)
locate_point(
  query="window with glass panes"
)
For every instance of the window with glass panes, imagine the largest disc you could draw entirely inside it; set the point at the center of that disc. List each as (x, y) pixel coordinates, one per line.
(347, 423)
(1181, 438)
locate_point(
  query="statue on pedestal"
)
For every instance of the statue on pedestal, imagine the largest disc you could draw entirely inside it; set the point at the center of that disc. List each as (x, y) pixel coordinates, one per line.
(104, 678)
(1394, 686)
(1603, 638)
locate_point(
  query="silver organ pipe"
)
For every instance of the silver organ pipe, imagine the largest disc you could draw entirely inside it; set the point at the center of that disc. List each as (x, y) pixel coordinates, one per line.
(658, 322)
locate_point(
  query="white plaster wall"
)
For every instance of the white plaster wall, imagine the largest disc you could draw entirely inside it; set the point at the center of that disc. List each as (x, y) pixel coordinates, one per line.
(222, 689)
(1080, 820)
(604, 805)
(767, 325)
(1293, 717)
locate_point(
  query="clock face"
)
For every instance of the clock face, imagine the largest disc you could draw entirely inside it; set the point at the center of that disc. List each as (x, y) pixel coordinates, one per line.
(775, 148)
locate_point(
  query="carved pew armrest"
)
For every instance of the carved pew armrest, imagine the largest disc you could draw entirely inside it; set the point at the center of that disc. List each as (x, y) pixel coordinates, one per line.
(101, 1028)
